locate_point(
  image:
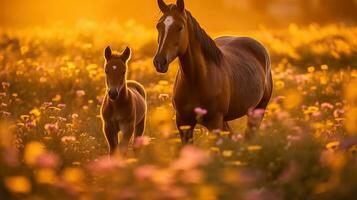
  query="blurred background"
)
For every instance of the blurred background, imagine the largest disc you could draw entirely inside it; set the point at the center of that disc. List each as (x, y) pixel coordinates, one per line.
(216, 15)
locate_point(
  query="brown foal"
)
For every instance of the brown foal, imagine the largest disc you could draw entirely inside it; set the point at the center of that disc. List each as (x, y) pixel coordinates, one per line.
(124, 105)
(229, 77)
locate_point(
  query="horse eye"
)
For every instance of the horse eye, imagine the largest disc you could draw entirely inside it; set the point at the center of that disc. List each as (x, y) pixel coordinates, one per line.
(180, 28)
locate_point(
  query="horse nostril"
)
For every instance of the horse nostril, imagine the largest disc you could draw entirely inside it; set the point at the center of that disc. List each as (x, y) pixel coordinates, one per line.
(113, 94)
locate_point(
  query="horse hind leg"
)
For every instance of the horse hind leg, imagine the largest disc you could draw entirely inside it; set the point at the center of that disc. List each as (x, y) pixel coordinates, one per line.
(227, 128)
(255, 117)
(139, 131)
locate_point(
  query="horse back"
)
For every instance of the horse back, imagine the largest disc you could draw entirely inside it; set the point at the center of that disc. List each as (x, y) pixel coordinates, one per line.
(245, 45)
(137, 87)
(138, 99)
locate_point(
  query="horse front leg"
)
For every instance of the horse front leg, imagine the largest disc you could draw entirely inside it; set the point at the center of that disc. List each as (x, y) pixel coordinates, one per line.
(216, 123)
(185, 128)
(128, 131)
(111, 134)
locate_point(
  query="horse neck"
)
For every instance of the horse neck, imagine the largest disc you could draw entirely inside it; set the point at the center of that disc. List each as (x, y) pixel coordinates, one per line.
(123, 94)
(193, 64)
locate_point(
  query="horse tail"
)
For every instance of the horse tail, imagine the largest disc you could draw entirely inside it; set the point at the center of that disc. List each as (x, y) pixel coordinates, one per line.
(268, 76)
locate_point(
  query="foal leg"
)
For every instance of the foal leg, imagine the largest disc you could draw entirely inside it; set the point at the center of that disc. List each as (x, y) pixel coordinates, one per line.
(187, 134)
(139, 131)
(111, 134)
(127, 130)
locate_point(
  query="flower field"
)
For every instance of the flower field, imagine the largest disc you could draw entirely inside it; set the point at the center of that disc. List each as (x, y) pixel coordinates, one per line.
(52, 145)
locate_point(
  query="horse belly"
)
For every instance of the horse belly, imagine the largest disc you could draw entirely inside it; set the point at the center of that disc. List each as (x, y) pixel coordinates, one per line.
(185, 107)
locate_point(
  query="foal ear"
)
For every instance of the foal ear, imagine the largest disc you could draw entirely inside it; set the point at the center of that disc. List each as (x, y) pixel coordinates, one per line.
(180, 5)
(163, 6)
(126, 54)
(107, 53)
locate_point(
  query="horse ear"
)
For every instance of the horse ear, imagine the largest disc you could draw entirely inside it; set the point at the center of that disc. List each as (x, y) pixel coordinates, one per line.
(163, 6)
(126, 54)
(108, 53)
(180, 5)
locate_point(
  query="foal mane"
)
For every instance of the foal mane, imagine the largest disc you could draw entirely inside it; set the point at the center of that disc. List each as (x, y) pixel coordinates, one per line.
(208, 46)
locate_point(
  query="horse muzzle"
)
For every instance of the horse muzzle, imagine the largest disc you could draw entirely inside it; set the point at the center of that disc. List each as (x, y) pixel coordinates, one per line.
(161, 64)
(113, 94)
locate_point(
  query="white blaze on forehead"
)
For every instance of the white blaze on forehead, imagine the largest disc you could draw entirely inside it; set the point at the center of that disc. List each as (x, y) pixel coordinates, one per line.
(114, 67)
(168, 22)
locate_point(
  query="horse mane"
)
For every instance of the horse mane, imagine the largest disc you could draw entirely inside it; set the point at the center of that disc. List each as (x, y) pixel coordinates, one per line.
(208, 45)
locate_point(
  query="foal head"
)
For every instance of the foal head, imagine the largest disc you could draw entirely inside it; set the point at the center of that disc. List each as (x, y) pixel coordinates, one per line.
(115, 70)
(173, 34)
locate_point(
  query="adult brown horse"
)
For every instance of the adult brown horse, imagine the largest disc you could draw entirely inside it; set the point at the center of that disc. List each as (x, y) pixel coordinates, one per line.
(229, 76)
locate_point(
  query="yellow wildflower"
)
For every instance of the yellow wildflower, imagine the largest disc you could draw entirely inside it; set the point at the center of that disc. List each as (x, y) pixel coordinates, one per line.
(185, 128)
(254, 148)
(332, 145)
(18, 184)
(311, 69)
(324, 67)
(32, 151)
(73, 175)
(46, 176)
(227, 153)
(279, 85)
(36, 112)
(57, 98)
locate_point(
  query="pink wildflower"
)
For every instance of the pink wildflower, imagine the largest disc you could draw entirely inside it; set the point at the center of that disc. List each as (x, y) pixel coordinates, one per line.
(192, 176)
(279, 99)
(190, 157)
(74, 116)
(47, 160)
(30, 124)
(105, 164)
(61, 105)
(51, 127)
(10, 156)
(327, 106)
(141, 141)
(200, 111)
(47, 104)
(5, 84)
(144, 172)
(62, 119)
(5, 114)
(68, 139)
(80, 93)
